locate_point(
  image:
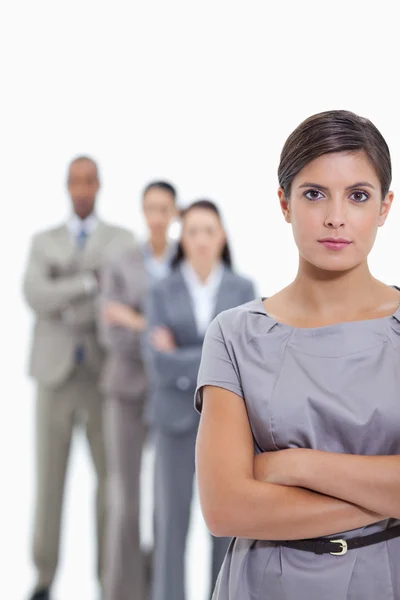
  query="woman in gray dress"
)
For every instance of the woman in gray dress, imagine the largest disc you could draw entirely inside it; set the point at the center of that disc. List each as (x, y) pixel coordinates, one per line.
(200, 286)
(299, 440)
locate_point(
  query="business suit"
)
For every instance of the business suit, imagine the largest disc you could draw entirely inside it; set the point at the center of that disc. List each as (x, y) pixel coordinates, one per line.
(174, 376)
(124, 382)
(59, 286)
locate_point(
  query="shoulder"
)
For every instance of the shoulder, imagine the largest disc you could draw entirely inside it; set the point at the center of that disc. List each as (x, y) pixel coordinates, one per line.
(240, 321)
(117, 230)
(167, 284)
(130, 255)
(127, 259)
(240, 281)
(48, 234)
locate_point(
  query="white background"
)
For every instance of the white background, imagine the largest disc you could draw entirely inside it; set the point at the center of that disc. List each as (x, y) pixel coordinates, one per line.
(202, 93)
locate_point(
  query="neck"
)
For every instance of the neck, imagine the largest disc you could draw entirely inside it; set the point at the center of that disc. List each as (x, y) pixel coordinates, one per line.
(82, 217)
(203, 270)
(327, 293)
(158, 244)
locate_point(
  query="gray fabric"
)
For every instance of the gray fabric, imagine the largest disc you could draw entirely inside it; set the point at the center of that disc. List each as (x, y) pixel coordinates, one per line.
(174, 475)
(124, 430)
(54, 288)
(334, 388)
(158, 268)
(125, 280)
(173, 377)
(76, 402)
(174, 374)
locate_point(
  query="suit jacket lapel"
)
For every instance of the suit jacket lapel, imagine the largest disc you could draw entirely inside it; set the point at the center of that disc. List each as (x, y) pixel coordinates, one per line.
(224, 292)
(66, 243)
(96, 240)
(186, 309)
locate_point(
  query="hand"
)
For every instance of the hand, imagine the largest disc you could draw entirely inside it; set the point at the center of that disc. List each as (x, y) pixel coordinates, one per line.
(281, 467)
(162, 339)
(116, 313)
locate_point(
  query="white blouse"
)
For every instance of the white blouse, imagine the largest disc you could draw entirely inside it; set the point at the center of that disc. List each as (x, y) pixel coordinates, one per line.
(203, 294)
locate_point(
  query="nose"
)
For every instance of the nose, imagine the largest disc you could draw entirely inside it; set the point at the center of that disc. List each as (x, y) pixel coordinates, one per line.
(335, 218)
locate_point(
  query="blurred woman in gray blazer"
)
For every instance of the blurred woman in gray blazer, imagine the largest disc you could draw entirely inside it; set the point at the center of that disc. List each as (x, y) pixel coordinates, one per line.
(201, 285)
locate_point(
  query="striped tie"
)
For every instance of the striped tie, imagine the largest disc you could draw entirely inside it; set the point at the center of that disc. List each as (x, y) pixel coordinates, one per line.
(80, 242)
(81, 238)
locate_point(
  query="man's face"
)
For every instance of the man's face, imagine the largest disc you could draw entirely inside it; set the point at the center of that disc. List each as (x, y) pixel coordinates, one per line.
(83, 185)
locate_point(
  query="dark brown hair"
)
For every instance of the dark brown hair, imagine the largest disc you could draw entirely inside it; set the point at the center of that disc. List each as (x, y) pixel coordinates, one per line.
(160, 185)
(205, 205)
(334, 131)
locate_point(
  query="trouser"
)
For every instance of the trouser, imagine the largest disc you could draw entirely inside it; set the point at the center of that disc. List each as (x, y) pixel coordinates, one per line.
(125, 433)
(174, 472)
(76, 402)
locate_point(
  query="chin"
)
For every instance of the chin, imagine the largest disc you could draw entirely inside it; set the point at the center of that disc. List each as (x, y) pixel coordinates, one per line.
(332, 264)
(335, 266)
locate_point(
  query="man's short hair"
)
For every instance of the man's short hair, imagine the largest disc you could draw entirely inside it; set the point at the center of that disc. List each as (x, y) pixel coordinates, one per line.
(81, 158)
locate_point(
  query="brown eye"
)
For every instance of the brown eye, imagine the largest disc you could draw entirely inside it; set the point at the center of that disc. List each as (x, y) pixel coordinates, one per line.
(359, 196)
(313, 195)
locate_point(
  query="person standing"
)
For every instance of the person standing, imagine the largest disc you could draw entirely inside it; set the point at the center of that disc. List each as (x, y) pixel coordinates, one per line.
(298, 447)
(61, 286)
(126, 282)
(201, 285)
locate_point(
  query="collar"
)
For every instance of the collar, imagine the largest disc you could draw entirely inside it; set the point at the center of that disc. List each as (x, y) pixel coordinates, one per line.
(75, 224)
(213, 280)
(170, 249)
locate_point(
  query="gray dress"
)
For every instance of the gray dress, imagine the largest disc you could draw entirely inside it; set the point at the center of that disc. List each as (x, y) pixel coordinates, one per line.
(334, 388)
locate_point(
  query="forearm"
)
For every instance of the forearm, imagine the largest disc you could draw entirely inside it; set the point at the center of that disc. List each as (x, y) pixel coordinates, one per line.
(51, 296)
(120, 339)
(81, 315)
(133, 320)
(369, 481)
(266, 511)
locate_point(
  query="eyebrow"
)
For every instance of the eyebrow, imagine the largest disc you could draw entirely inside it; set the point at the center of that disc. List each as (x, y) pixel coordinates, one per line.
(325, 189)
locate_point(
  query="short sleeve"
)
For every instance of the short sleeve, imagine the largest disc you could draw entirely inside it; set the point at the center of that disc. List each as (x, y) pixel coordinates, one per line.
(217, 366)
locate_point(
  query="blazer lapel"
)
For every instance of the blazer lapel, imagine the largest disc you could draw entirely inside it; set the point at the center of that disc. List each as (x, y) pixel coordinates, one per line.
(96, 240)
(185, 307)
(66, 244)
(226, 288)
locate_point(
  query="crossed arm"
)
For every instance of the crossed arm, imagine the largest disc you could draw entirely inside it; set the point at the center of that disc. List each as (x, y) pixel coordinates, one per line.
(289, 494)
(51, 296)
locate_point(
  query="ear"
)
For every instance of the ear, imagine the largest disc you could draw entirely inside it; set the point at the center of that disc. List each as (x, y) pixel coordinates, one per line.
(285, 207)
(385, 208)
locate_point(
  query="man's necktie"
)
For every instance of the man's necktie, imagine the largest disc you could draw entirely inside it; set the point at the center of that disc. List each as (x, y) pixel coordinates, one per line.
(80, 242)
(81, 238)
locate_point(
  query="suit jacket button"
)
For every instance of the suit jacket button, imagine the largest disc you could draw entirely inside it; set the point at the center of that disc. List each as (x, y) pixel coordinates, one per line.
(183, 383)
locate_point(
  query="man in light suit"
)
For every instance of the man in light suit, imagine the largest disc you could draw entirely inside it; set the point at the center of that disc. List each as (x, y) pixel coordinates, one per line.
(61, 286)
(126, 282)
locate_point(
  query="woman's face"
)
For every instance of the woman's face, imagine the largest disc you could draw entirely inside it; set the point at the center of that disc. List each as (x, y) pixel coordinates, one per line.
(335, 209)
(159, 209)
(203, 236)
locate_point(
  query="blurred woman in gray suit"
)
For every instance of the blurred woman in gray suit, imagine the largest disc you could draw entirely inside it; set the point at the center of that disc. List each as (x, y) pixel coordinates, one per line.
(201, 285)
(125, 283)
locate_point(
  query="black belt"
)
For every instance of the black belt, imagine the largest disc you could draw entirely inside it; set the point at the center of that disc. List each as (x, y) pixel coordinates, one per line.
(338, 547)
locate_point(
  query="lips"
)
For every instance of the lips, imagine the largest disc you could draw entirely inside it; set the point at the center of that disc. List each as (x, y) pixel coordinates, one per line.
(335, 243)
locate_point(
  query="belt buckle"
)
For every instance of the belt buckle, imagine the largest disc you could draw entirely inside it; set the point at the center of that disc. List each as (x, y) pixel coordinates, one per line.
(343, 543)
